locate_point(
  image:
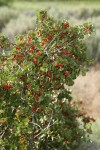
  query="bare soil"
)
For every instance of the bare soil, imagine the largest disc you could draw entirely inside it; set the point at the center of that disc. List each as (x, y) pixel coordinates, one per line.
(87, 89)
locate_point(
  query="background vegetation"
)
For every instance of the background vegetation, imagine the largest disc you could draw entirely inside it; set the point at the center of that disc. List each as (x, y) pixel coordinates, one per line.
(21, 17)
(18, 16)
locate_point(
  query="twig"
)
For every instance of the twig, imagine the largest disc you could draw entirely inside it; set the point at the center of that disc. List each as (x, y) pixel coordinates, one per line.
(48, 126)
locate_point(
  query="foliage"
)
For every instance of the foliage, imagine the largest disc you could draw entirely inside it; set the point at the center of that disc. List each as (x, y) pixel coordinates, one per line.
(5, 2)
(37, 111)
(27, 20)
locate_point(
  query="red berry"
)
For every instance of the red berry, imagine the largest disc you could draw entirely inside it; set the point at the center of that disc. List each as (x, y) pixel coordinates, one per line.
(43, 16)
(48, 73)
(39, 92)
(1, 46)
(38, 53)
(28, 86)
(36, 99)
(45, 40)
(21, 137)
(30, 37)
(2, 40)
(54, 99)
(69, 69)
(31, 93)
(65, 74)
(42, 44)
(35, 60)
(66, 25)
(87, 29)
(7, 86)
(30, 51)
(33, 47)
(18, 47)
(75, 46)
(39, 109)
(23, 142)
(33, 108)
(62, 103)
(50, 37)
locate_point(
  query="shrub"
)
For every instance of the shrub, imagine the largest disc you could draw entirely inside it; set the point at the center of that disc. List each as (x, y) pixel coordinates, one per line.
(37, 111)
(5, 2)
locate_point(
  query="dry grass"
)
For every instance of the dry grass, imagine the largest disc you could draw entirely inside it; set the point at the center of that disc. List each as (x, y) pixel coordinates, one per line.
(87, 89)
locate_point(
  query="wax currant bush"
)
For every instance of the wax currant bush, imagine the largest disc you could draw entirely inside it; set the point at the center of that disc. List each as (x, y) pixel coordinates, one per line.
(37, 111)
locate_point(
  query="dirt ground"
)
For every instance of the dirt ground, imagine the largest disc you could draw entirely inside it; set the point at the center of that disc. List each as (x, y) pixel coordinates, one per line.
(87, 89)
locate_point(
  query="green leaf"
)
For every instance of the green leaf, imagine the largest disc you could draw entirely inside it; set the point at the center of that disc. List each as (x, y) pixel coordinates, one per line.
(84, 70)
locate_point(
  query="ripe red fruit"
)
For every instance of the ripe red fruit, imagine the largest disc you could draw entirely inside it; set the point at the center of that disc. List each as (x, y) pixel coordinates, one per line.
(35, 60)
(50, 37)
(58, 46)
(6, 86)
(38, 92)
(48, 73)
(66, 52)
(66, 25)
(45, 40)
(24, 43)
(36, 99)
(58, 65)
(62, 103)
(54, 99)
(33, 108)
(65, 74)
(69, 69)
(16, 56)
(61, 65)
(23, 142)
(86, 29)
(2, 46)
(8, 46)
(18, 48)
(43, 16)
(30, 37)
(65, 114)
(39, 110)
(21, 137)
(30, 51)
(2, 40)
(33, 47)
(75, 46)
(63, 52)
(42, 44)
(21, 37)
(28, 86)
(31, 93)
(38, 53)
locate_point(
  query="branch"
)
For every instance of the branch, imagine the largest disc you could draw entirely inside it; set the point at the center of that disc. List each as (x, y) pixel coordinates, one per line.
(48, 126)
